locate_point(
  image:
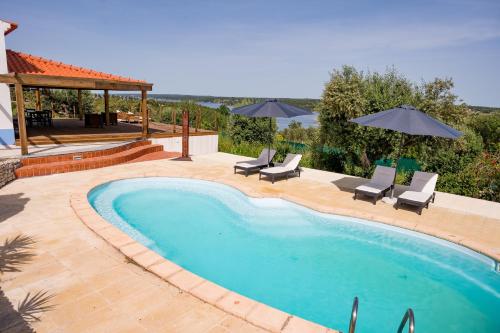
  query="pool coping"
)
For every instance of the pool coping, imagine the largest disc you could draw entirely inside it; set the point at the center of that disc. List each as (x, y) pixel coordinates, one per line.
(254, 312)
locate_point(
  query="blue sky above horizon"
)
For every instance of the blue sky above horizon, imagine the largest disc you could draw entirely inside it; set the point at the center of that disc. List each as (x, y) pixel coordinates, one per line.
(267, 48)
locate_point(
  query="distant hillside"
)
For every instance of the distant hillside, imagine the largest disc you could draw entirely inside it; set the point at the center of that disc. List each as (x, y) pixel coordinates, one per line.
(484, 109)
(306, 103)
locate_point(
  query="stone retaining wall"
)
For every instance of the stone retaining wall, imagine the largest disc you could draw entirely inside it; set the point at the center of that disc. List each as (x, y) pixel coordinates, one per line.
(7, 168)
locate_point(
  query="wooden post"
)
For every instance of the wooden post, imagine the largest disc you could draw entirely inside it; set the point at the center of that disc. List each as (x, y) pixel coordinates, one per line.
(38, 106)
(80, 109)
(185, 134)
(197, 120)
(106, 106)
(174, 120)
(21, 121)
(144, 111)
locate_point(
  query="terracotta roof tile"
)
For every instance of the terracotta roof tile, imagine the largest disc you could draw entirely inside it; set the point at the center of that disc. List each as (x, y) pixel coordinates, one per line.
(23, 63)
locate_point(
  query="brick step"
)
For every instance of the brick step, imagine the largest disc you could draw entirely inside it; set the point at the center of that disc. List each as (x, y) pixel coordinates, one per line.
(82, 155)
(87, 163)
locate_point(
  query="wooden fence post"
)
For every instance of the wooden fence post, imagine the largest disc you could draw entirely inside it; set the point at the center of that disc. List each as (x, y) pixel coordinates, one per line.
(197, 120)
(174, 120)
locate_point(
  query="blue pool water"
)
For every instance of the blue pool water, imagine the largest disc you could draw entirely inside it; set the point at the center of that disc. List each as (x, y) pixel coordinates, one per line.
(304, 262)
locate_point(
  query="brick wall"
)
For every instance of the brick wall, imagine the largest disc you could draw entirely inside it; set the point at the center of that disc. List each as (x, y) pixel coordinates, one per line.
(7, 168)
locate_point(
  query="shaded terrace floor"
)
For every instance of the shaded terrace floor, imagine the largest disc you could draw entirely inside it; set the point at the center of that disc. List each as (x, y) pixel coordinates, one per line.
(73, 130)
(96, 290)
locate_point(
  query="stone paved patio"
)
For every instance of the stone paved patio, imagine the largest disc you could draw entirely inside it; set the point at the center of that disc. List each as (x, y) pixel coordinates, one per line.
(97, 290)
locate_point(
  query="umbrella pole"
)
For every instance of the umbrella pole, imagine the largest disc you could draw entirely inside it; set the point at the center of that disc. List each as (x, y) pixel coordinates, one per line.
(270, 140)
(401, 143)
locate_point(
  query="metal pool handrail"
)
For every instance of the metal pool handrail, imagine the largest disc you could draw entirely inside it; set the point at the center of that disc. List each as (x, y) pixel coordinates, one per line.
(411, 325)
(354, 315)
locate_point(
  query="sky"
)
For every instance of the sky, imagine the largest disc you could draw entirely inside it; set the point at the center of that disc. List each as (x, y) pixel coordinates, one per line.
(267, 48)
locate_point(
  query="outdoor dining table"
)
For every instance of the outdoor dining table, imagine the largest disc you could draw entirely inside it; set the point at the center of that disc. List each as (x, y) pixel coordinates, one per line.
(38, 118)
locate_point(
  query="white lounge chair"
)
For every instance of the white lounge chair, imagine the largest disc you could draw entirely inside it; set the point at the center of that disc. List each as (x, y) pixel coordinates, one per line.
(381, 182)
(290, 166)
(421, 191)
(256, 164)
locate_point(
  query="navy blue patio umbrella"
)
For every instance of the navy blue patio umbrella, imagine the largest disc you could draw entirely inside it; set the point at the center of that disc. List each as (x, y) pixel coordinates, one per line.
(270, 109)
(408, 120)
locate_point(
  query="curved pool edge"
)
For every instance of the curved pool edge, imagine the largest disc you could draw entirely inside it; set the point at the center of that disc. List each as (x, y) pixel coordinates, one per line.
(256, 313)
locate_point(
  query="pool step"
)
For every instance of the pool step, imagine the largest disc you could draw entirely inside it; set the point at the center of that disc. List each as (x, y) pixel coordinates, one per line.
(48, 165)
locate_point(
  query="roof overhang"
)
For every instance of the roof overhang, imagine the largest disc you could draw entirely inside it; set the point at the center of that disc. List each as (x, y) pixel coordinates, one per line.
(12, 27)
(63, 82)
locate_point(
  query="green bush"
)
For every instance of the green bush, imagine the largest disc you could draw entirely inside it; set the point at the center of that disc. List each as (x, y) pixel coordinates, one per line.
(226, 145)
(488, 127)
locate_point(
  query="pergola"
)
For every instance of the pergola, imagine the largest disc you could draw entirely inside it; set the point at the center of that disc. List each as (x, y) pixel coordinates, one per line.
(28, 71)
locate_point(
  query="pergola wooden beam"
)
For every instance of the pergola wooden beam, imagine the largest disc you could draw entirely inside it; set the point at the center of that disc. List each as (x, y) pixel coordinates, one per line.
(80, 108)
(23, 137)
(38, 98)
(144, 112)
(106, 106)
(61, 82)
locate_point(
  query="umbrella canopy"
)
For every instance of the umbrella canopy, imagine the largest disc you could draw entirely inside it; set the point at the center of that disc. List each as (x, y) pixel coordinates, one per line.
(409, 120)
(271, 108)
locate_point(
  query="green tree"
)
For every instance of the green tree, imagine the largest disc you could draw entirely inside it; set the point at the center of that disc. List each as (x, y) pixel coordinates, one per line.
(66, 100)
(248, 129)
(349, 148)
(488, 127)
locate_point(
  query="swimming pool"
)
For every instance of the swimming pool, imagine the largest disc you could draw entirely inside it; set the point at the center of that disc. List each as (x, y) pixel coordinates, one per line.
(307, 263)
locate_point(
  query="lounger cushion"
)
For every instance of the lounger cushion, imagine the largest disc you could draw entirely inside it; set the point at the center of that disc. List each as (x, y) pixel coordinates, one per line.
(290, 164)
(249, 165)
(372, 188)
(252, 162)
(415, 196)
(275, 170)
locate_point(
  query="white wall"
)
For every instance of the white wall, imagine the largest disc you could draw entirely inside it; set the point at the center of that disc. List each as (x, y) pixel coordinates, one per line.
(198, 145)
(6, 125)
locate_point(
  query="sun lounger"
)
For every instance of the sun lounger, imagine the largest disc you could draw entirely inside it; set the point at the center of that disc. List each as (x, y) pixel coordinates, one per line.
(381, 182)
(257, 164)
(290, 166)
(421, 191)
